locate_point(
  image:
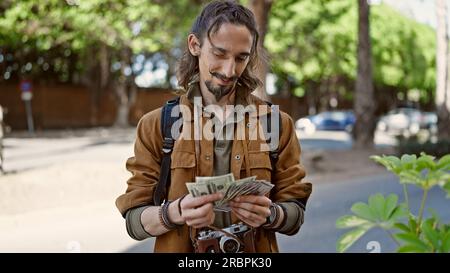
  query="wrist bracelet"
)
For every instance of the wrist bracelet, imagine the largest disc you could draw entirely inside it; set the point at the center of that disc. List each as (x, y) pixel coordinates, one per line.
(164, 217)
(275, 222)
(161, 219)
(276, 217)
(179, 204)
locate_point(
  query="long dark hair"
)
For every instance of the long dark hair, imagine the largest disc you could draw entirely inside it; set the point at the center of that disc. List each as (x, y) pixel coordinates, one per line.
(209, 21)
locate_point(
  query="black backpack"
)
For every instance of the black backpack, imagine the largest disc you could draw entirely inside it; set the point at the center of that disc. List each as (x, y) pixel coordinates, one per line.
(167, 120)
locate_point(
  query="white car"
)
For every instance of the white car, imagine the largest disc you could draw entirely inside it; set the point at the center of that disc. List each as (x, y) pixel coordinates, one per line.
(406, 122)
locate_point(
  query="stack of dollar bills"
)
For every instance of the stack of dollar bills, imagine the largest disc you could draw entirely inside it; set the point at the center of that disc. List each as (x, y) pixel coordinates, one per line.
(229, 188)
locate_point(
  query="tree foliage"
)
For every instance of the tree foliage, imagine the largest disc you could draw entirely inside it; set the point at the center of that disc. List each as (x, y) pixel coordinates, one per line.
(53, 30)
(316, 41)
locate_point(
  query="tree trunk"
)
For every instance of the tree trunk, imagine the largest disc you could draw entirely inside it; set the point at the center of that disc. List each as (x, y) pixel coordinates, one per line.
(261, 9)
(124, 87)
(98, 75)
(442, 85)
(364, 105)
(104, 60)
(311, 100)
(93, 83)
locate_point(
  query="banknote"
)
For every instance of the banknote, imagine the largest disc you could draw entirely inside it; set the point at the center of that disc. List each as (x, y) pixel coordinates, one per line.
(228, 187)
(249, 186)
(217, 179)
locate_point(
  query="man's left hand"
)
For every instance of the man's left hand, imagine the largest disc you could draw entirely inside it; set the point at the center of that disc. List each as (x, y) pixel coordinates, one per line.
(251, 209)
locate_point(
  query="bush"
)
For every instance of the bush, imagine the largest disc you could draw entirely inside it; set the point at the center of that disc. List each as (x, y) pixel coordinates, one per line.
(413, 146)
(411, 232)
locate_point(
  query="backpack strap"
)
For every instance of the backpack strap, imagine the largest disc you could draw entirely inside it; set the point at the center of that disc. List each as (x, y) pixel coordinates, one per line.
(273, 153)
(267, 128)
(167, 120)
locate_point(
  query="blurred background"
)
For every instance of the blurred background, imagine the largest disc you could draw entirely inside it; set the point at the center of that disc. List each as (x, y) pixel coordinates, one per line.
(358, 77)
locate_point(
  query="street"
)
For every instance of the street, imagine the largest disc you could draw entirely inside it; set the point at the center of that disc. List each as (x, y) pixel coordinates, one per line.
(115, 145)
(337, 140)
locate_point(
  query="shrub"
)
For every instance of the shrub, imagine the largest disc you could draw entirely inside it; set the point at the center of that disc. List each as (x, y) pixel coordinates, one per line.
(416, 234)
(413, 146)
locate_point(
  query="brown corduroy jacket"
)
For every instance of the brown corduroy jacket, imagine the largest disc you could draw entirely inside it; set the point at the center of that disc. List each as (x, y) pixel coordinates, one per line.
(247, 159)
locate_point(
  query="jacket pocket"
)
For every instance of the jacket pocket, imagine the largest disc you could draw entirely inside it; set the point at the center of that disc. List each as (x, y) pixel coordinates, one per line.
(182, 171)
(260, 165)
(182, 159)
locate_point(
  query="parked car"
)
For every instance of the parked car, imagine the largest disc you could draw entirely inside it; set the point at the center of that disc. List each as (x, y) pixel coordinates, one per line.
(406, 121)
(430, 120)
(329, 120)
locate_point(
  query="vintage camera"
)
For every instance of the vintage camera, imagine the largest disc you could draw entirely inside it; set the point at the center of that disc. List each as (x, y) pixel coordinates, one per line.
(230, 239)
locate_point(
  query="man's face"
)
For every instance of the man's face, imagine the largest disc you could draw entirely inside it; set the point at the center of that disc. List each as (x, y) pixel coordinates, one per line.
(223, 58)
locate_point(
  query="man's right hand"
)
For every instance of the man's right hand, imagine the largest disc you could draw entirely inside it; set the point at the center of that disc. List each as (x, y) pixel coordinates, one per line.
(198, 211)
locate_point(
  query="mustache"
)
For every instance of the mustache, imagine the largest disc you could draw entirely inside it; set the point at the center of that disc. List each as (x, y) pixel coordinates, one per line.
(222, 77)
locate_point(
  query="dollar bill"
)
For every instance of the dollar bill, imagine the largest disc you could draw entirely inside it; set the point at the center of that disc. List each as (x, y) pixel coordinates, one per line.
(215, 179)
(205, 185)
(197, 189)
(246, 186)
(228, 187)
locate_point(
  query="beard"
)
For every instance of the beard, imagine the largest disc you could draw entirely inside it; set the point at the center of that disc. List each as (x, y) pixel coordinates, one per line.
(218, 91)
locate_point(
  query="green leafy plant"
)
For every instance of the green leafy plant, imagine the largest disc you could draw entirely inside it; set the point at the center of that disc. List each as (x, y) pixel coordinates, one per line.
(415, 234)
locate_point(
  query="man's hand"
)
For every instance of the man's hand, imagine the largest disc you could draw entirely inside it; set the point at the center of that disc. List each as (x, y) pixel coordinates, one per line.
(198, 211)
(251, 209)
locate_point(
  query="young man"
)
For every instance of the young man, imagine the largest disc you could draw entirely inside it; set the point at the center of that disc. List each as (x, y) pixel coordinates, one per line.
(216, 73)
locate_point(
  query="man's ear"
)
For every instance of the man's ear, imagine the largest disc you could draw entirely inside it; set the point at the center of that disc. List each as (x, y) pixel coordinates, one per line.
(194, 45)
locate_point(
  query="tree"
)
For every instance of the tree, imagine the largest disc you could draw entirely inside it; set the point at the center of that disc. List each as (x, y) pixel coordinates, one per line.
(92, 42)
(442, 98)
(313, 52)
(261, 10)
(364, 104)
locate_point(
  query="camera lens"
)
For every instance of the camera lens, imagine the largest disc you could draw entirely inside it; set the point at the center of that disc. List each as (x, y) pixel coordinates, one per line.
(229, 245)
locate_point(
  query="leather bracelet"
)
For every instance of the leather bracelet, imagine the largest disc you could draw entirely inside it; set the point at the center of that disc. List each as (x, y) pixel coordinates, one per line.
(164, 217)
(161, 219)
(277, 218)
(270, 225)
(179, 204)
